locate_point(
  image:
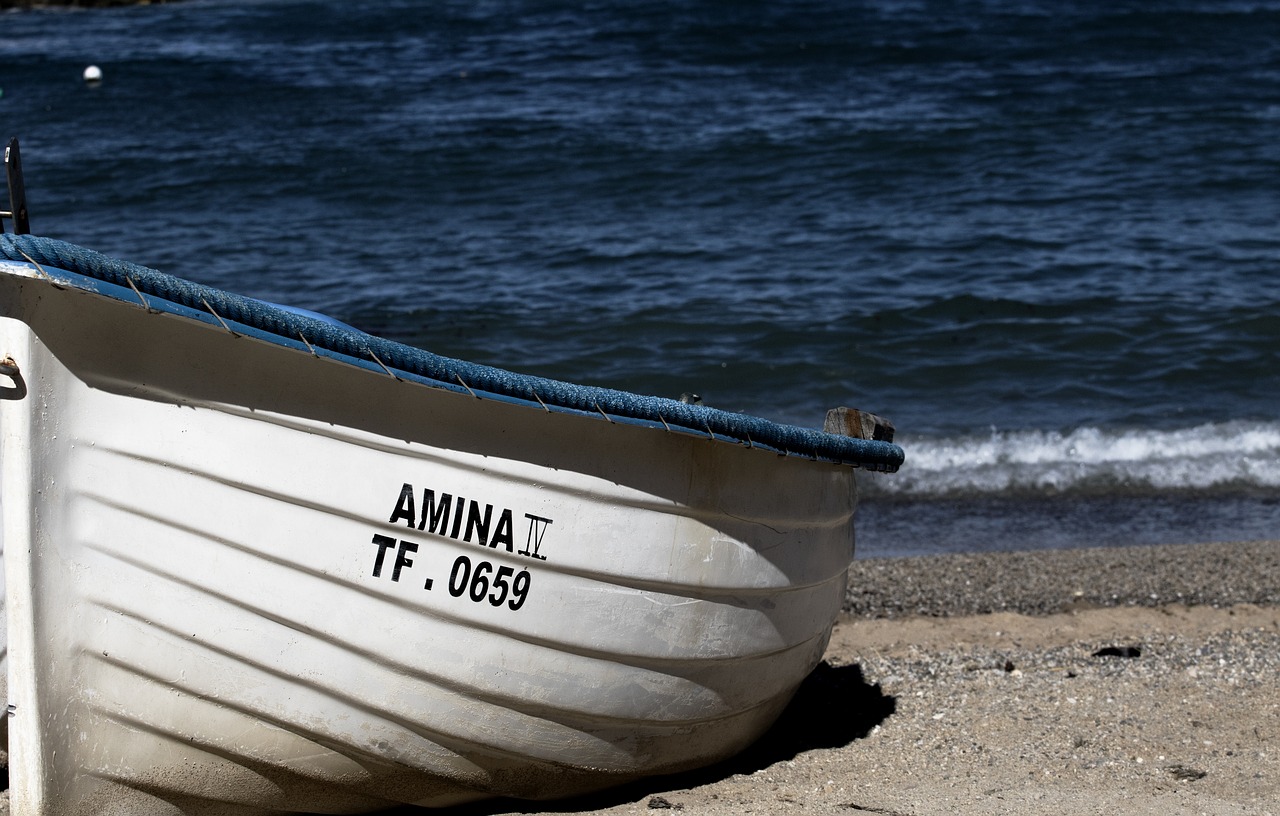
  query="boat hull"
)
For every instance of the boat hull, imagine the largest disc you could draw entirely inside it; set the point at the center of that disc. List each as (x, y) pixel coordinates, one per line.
(257, 580)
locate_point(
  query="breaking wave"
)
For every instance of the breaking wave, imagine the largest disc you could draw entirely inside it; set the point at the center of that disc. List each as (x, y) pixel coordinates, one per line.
(1236, 456)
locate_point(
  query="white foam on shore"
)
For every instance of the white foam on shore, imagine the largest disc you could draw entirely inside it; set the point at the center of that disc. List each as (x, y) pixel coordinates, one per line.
(1234, 455)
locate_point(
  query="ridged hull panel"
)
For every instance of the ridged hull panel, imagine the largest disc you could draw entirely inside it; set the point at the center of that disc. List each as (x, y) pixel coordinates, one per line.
(240, 598)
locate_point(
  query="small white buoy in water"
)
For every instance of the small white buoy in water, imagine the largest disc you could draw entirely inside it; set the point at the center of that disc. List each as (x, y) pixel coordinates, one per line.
(93, 75)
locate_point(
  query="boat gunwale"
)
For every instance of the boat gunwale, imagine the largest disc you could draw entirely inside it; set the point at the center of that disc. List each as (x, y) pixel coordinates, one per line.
(65, 264)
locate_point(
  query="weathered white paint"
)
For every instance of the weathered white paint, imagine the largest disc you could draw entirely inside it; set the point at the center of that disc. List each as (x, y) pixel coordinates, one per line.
(192, 615)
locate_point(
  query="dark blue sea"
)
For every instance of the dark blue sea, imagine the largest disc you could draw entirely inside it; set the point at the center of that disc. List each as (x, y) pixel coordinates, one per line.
(1043, 238)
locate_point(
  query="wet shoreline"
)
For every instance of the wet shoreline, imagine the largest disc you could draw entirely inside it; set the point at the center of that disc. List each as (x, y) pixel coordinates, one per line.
(1044, 582)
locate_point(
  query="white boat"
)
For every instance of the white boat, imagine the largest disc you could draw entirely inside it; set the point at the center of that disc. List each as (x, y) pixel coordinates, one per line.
(257, 562)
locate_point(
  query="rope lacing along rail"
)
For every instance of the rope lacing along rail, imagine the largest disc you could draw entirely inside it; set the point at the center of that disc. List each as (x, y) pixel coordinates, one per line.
(214, 312)
(155, 290)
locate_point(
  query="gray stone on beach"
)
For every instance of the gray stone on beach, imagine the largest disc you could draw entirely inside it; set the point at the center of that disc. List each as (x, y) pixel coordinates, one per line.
(1047, 581)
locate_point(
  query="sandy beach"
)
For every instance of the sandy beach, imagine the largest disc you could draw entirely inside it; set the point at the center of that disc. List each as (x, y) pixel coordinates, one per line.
(981, 684)
(1132, 681)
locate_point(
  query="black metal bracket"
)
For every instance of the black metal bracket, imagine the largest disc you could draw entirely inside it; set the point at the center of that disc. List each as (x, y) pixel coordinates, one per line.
(17, 192)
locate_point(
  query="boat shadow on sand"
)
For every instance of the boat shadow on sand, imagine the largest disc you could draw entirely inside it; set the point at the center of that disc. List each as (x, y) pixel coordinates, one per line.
(834, 706)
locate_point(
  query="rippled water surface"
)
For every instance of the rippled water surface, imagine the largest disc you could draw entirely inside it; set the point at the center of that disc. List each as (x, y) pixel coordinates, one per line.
(1040, 237)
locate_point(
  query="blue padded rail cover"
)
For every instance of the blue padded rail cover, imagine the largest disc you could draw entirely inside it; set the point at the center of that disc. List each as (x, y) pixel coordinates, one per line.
(455, 375)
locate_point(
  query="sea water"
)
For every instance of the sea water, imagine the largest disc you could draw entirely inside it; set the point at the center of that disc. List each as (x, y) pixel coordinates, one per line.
(1040, 237)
